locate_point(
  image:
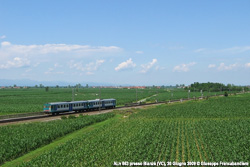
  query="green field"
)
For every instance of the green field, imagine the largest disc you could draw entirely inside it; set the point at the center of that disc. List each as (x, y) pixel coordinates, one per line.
(210, 130)
(13, 101)
(32, 100)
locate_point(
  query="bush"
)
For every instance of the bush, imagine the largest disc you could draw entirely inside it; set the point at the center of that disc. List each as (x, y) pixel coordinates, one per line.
(63, 117)
(225, 94)
(72, 117)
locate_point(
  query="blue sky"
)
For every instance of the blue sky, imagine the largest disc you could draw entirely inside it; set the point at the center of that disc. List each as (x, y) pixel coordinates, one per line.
(136, 42)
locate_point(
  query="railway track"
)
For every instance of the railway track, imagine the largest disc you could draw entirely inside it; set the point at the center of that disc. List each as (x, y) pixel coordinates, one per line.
(41, 115)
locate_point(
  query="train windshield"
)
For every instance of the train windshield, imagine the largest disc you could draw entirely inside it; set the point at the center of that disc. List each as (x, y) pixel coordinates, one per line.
(46, 107)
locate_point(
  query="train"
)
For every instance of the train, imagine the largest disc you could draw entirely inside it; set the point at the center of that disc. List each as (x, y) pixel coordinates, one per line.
(55, 108)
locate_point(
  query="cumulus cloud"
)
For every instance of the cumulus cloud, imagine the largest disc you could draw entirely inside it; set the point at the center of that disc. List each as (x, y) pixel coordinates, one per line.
(89, 68)
(211, 66)
(17, 62)
(183, 67)
(224, 67)
(125, 65)
(49, 54)
(147, 67)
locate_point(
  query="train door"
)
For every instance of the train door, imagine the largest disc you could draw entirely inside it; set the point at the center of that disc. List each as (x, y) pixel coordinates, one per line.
(70, 107)
(103, 104)
(54, 107)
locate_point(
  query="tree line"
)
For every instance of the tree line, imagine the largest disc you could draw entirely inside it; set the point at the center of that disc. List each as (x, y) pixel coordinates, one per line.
(215, 87)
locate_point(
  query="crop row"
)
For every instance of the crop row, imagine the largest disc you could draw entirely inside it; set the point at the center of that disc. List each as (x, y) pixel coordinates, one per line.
(183, 132)
(17, 140)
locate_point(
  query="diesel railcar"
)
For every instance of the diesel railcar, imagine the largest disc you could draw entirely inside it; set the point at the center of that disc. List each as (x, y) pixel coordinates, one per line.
(78, 106)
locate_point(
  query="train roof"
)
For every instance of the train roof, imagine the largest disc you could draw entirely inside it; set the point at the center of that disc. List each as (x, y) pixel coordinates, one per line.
(72, 102)
(66, 102)
(107, 99)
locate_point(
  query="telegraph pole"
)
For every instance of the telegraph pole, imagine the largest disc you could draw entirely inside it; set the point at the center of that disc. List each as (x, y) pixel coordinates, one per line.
(136, 95)
(99, 98)
(73, 97)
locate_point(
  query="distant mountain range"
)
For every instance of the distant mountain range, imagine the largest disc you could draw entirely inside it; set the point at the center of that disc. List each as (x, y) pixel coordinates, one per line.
(27, 82)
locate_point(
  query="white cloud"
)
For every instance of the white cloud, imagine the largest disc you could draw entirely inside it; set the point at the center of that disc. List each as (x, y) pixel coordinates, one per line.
(183, 67)
(139, 52)
(88, 68)
(2, 37)
(56, 48)
(247, 65)
(5, 43)
(49, 54)
(146, 67)
(93, 66)
(125, 65)
(52, 71)
(17, 62)
(237, 49)
(234, 50)
(199, 50)
(223, 67)
(211, 66)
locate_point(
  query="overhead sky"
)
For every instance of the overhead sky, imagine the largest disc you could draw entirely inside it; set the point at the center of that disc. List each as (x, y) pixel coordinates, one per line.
(136, 42)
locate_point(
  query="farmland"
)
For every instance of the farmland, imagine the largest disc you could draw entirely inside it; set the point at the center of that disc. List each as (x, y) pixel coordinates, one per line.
(32, 100)
(13, 101)
(212, 130)
(18, 140)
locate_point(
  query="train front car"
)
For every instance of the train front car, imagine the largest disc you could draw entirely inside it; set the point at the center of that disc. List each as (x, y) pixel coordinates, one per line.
(56, 108)
(47, 108)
